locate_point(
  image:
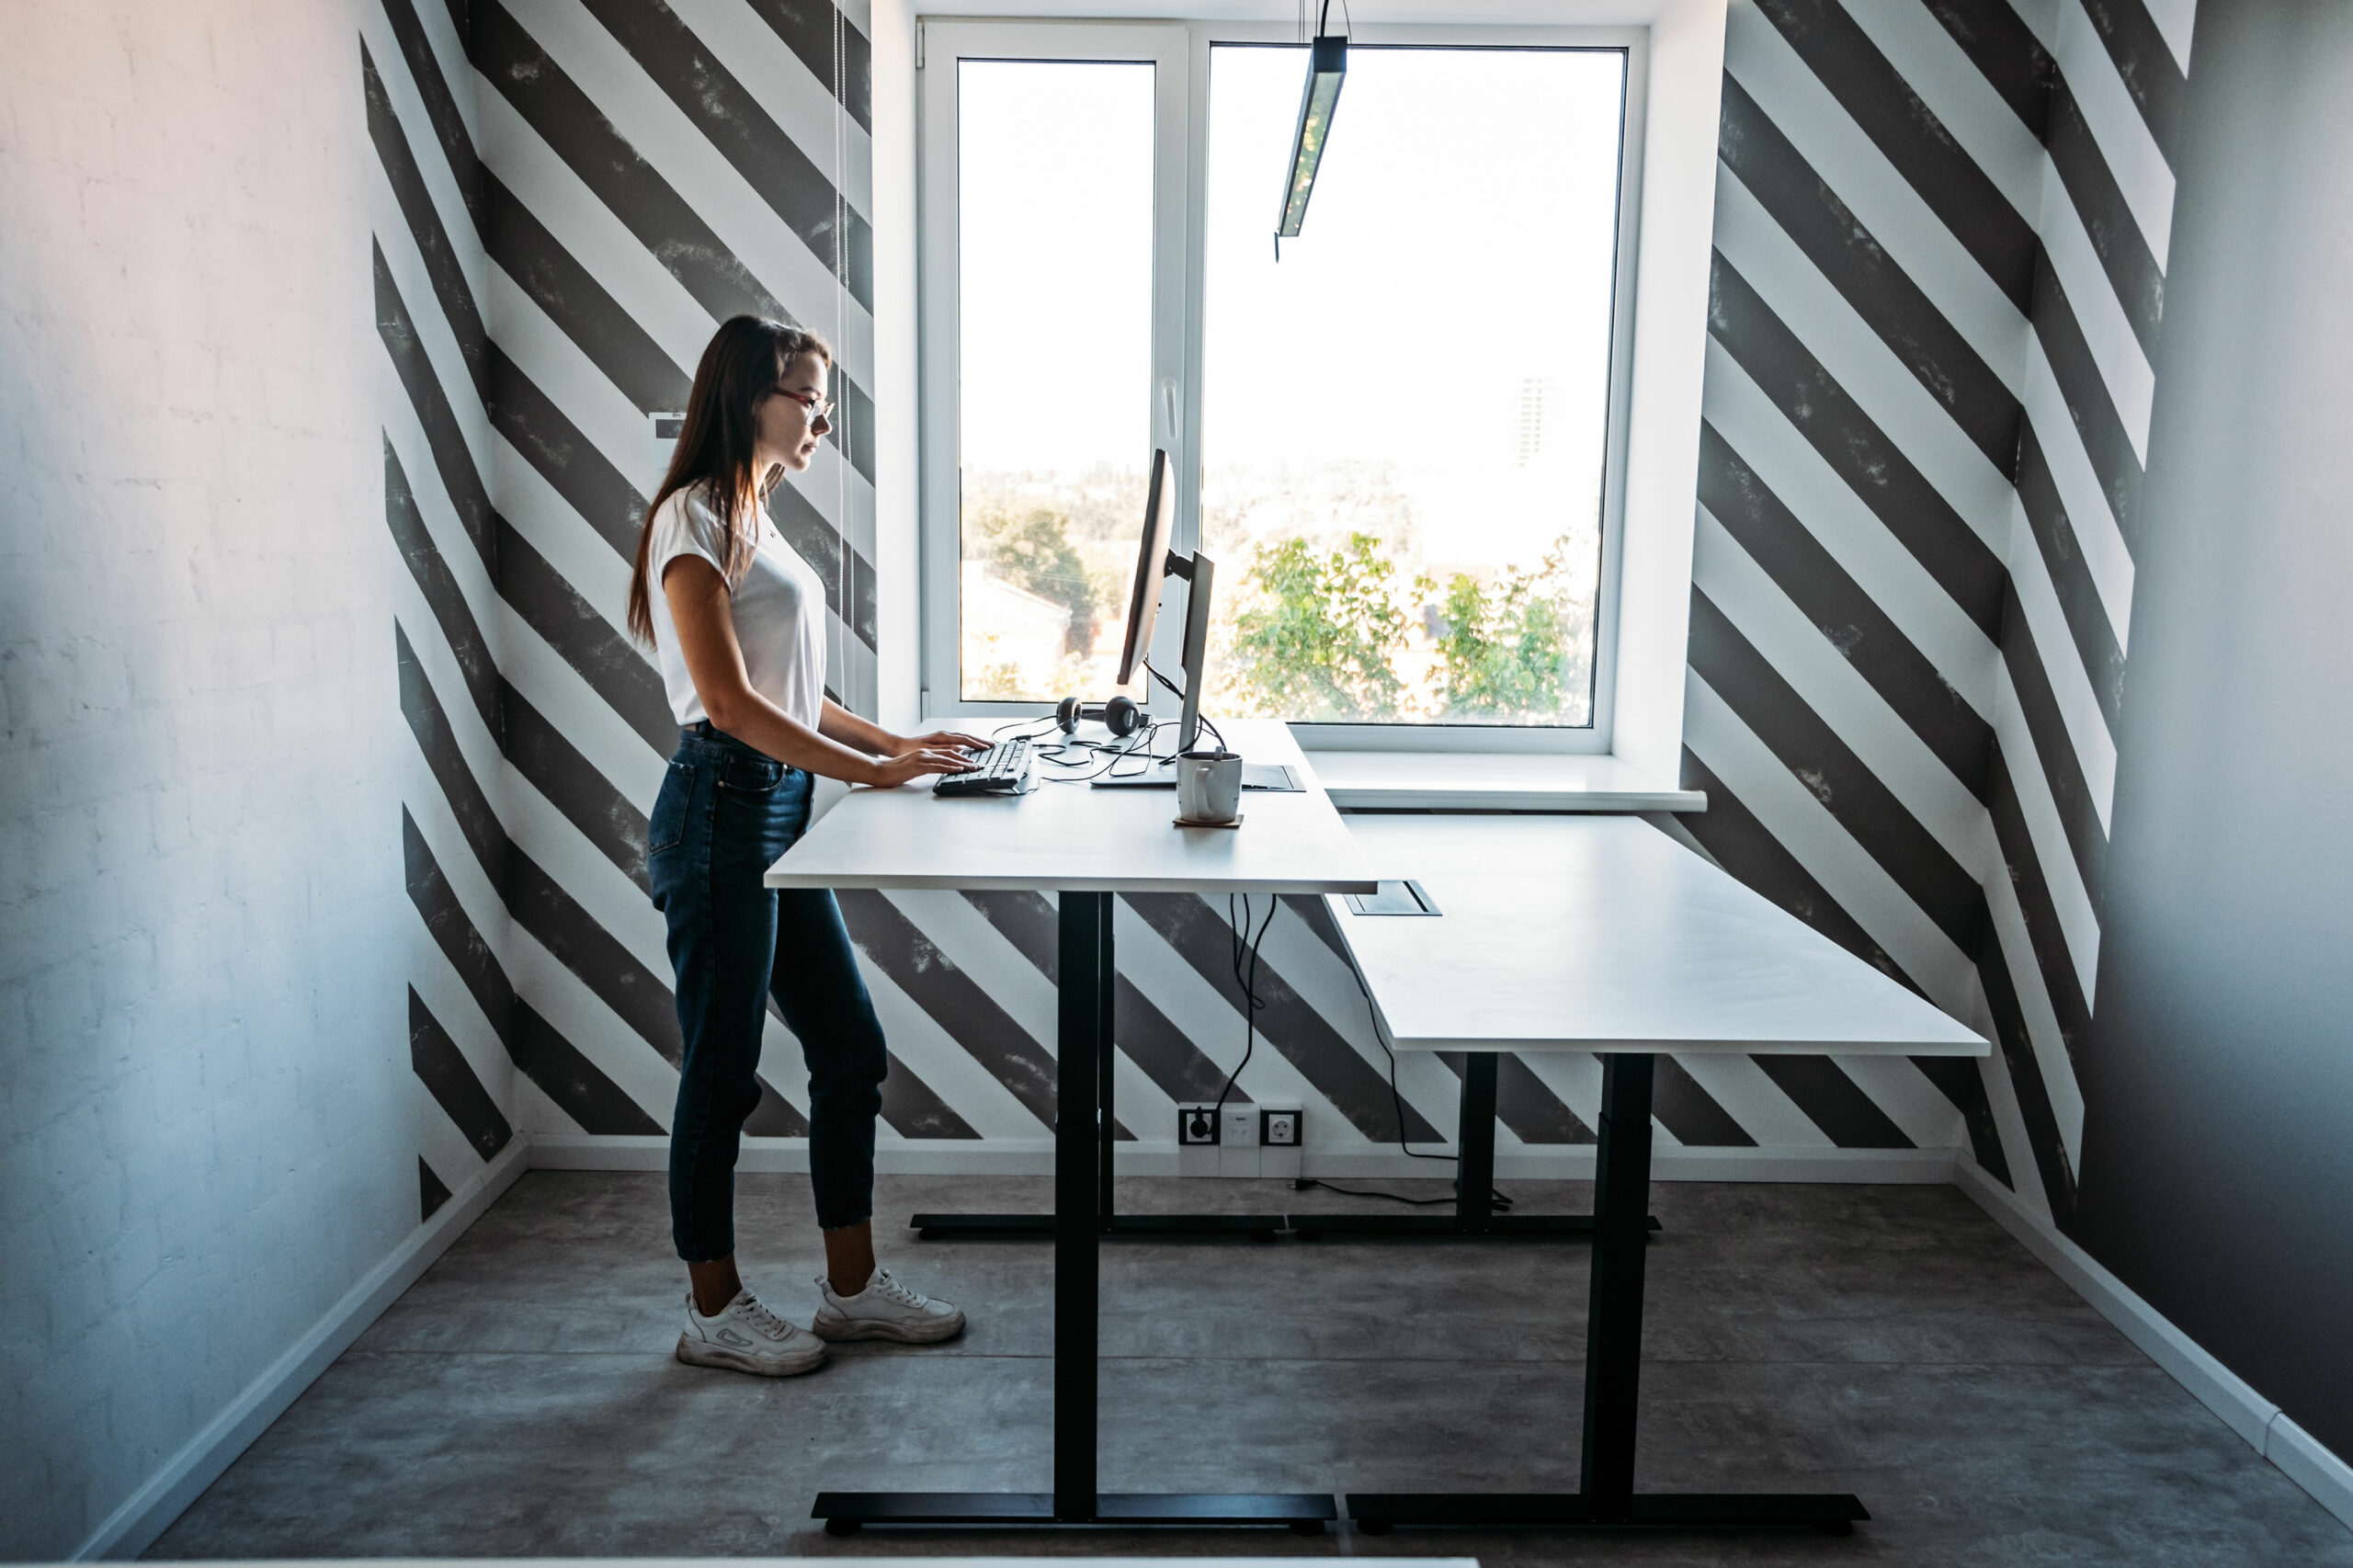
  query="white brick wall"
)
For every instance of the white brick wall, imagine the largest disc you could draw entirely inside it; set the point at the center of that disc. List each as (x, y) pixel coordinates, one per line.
(205, 1101)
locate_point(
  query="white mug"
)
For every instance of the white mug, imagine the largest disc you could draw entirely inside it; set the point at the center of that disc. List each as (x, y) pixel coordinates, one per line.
(1208, 786)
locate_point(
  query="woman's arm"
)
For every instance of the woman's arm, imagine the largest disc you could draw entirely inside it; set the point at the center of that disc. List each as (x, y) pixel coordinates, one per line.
(836, 722)
(840, 724)
(705, 620)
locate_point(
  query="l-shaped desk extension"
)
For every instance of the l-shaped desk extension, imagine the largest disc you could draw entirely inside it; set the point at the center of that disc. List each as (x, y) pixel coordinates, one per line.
(1592, 933)
(1601, 935)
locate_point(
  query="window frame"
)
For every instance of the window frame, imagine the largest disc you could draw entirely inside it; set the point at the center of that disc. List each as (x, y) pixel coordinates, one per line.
(1179, 283)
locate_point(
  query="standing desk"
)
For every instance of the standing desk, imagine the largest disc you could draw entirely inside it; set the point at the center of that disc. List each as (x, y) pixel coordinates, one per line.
(1085, 845)
(1600, 934)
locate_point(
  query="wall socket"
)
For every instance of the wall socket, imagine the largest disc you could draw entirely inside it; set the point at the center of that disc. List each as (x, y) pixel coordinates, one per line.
(1240, 1141)
(1282, 1130)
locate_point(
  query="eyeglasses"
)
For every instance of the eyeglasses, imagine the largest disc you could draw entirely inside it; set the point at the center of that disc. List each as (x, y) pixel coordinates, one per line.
(818, 407)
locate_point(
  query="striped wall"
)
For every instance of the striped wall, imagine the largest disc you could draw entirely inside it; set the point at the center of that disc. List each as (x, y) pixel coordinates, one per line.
(1938, 285)
(1927, 392)
(573, 195)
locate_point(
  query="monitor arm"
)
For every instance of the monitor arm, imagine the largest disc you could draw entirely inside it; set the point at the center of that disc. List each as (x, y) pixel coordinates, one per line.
(1199, 575)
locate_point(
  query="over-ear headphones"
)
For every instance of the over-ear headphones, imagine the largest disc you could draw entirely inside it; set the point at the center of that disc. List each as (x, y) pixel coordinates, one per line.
(1121, 715)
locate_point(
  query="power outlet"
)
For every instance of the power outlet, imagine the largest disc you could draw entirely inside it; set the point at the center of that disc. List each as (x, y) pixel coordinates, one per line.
(1282, 1130)
(1237, 1136)
(1196, 1126)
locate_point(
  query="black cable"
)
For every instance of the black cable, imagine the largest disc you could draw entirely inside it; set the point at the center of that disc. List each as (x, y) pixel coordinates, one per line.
(1496, 1200)
(1141, 744)
(1178, 692)
(1304, 1183)
(1252, 1003)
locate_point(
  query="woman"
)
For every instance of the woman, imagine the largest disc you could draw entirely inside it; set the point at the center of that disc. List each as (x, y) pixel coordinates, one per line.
(738, 621)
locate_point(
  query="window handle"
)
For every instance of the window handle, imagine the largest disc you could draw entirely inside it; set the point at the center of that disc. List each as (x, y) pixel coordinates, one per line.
(1171, 425)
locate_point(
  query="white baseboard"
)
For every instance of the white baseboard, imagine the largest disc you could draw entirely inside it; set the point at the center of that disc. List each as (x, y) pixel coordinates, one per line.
(1035, 1156)
(2310, 1466)
(2214, 1385)
(132, 1528)
(1915, 1167)
(2268, 1431)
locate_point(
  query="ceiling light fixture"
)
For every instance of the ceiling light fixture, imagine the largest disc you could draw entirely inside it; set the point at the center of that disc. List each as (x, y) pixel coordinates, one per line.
(1327, 66)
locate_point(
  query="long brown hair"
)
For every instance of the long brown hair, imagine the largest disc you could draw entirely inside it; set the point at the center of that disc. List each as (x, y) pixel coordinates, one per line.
(747, 357)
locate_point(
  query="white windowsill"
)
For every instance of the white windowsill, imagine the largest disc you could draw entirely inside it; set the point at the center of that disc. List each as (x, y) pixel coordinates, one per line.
(1493, 781)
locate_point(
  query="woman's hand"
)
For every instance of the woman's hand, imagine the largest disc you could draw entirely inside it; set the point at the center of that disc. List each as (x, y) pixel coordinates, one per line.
(890, 772)
(941, 740)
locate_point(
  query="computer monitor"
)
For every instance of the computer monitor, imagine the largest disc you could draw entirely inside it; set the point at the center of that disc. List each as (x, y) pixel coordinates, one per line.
(1159, 528)
(1155, 560)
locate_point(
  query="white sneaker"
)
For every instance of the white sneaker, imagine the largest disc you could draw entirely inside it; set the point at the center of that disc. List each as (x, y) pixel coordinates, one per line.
(886, 1309)
(744, 1337)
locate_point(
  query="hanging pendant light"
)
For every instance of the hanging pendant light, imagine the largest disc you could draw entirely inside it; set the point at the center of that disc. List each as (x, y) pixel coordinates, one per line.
(1327, 66)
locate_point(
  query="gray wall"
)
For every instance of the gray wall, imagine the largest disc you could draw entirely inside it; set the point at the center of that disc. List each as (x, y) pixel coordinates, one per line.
(2218, 1141)
(208, 1128)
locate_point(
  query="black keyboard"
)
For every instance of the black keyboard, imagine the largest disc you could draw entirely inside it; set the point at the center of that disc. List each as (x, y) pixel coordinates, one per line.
(1003, 769)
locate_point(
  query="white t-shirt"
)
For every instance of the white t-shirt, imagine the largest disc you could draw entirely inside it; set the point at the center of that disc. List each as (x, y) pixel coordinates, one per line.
(778, 606)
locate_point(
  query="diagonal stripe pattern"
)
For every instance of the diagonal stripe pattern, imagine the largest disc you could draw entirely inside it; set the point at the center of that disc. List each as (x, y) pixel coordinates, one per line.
(1939, 280)
(1925, 398)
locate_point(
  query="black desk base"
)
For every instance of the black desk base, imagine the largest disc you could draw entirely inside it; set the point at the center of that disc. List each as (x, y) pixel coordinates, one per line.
(1444, 1227)
(1304, 1513)
(1474, 1213)
(1605, 1498)
(1376, 1513)
(1041, 1227)
(1619, 1229)
(1082, 1216)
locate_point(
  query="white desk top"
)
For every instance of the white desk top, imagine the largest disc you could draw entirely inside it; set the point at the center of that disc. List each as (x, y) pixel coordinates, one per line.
(1073, 838)
(1600, 933)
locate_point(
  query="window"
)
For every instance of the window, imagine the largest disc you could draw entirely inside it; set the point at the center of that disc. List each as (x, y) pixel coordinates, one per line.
(1409, 424)
(1054, 308)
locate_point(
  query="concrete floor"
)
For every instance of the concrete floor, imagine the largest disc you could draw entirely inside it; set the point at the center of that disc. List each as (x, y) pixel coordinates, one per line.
(521, 1399)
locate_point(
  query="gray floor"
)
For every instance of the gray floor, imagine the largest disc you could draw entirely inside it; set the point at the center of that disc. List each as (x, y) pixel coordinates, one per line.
(521, 1399)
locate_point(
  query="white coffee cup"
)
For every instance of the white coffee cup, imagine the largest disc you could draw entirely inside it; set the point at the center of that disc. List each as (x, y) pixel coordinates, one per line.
(1208, 786)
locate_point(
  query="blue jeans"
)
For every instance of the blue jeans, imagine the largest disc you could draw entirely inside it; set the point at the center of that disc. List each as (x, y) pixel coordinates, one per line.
(725, 815)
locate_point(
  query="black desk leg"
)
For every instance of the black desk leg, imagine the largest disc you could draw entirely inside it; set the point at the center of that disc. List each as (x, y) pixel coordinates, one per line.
(1613, 1335)
(1106, 1125)
(1613, 1357)
(1475, 1212)
(1083, 1035)
(1475, 1179)
(1108, 1220)
(1082, 1169)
